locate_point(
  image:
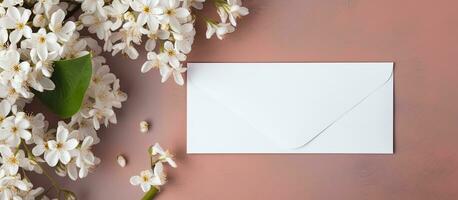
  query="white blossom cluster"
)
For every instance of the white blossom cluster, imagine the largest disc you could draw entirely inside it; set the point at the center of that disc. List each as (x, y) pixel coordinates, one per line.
(34, 34)
(168, 26)
(156, 176)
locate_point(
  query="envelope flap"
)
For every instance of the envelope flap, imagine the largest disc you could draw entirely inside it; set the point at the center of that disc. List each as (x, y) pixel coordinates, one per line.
(290, 103)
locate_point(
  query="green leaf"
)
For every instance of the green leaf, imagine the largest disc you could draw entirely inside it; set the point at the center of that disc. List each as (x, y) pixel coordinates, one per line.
(150, 194)
(71, 78)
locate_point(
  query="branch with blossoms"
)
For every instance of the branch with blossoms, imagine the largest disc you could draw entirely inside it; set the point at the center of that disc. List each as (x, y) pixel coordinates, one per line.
(151, 179)
(167, 25)
(44, 54)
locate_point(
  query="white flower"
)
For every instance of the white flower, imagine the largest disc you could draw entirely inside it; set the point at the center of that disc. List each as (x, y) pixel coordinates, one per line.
(10, 185)
(17, 20)
(159, 174)
(13, 70)
(42, 44)
(9, 93)
(85, 157)
(60, 148)
(63, 32)
(116, 11)
(234, 10)
(164, 156)
(173, 14)
(15, 128)
(154, 35)
(167, 71)
(9, 3)
(118, 95)
(40, 21)
(41, 143)
(43, 6)
(85, 128)
(73, 48)
(184, 40)
(131, 32)
(11, 161)
(146, 179)
(125, 48)
(172, 55)
(149, 11)
(102, 76)
(97, 24)
(39, 82)
(220, 29)
(90, 6)
(103, 114)
(37, 123)
(154, 61)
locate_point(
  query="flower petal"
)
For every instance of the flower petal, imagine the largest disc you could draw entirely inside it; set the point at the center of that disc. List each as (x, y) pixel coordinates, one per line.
(15, 36)
(135, 180)
(5, 108)
(71, 144)
(145, 187)
(38, 150)
(72, 171)
(83, 172)
(65, 157)
(148, 65)
(62, 134)
(182, 12)
(178, 78)
(25, 134)
(52, 158)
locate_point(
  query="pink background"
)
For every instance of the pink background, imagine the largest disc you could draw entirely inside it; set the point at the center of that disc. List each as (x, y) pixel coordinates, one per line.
(420, 36)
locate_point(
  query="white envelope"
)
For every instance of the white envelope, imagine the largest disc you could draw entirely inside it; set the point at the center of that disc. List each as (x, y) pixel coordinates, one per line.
(290, 108)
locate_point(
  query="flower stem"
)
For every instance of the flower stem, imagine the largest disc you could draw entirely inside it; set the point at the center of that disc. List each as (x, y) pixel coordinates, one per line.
(150, 194)
(45, 172)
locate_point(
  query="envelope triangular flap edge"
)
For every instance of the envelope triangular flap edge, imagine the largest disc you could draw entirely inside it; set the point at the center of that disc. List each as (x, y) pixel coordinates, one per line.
(290, 103)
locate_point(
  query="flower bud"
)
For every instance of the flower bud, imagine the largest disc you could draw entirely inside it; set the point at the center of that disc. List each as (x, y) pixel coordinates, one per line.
(121, 160)
(144, 126)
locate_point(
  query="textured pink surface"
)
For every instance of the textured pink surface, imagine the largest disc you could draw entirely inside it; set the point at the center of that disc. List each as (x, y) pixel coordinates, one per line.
(420, 36)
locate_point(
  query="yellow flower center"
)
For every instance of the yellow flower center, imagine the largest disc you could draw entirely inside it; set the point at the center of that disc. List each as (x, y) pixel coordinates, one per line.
(11, 91)
(59, 145)
(146, 9)
(16, 68)
(12, 160)
(41, 39)
(170, 12)
(14, 129)
(20, 26)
